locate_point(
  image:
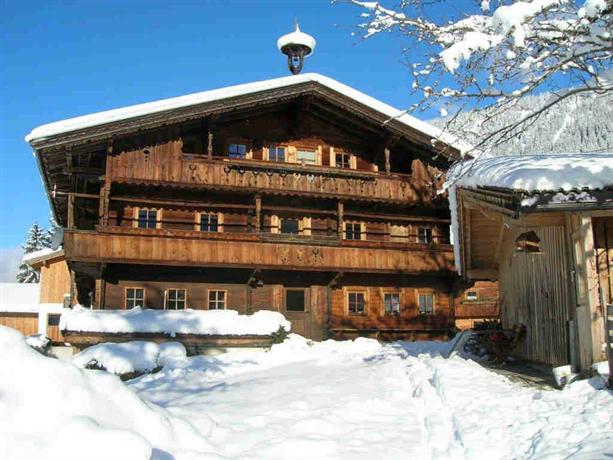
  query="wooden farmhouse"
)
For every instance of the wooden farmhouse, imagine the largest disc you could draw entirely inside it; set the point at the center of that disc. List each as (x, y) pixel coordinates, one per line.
(551, 250)
(297, 194)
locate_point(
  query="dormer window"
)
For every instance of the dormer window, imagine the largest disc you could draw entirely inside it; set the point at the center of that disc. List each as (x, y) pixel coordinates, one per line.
(308, 157)
(237, 151)
(276, 153)
(343, 160)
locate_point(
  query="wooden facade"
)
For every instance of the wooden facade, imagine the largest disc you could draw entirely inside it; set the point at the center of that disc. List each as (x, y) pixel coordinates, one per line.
(560, 287)
(300, 200)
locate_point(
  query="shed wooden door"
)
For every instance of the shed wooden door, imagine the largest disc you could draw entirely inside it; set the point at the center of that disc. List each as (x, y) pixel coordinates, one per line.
(296, 308)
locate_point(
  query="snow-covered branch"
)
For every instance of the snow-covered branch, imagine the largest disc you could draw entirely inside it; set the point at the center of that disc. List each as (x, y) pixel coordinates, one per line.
(491, 57)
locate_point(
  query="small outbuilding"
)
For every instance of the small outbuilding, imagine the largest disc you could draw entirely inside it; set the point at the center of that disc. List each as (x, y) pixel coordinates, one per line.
(542, 226)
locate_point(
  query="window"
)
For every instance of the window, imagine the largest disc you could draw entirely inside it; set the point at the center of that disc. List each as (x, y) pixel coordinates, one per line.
(424, 235)
(426, 304)
(276, 153)
(217, 300)
(472, 295)
(135, 297)
(356, 303)
(290, 226)
(237, 151)
(308, 156)
(343, 160)
(392, 303)
(209, 222)
(353, 231)
(147, 218)
(175, 299)
(294, 300)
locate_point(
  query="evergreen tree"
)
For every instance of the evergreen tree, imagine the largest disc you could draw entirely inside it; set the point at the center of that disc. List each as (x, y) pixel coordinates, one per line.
(37, 239)
(53, 228)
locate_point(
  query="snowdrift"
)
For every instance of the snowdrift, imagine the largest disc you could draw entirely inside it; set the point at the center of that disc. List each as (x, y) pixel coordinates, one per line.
(52, 409)
(171, 322)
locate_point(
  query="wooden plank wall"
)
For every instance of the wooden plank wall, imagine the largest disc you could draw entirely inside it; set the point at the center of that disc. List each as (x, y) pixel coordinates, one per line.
(535, 289)
(26, 323)
(54, 281)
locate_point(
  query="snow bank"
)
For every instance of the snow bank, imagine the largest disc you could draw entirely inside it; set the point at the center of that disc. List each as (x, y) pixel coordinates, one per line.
(120, 358)
(202, 322)
(40, 253)
(171, 352)
(51, 409)
(19, 297)
(110, 116)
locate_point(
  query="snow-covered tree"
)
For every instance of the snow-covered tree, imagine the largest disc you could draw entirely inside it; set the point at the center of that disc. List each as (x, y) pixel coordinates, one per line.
(488, 55)
(53, 228)
(37, 239)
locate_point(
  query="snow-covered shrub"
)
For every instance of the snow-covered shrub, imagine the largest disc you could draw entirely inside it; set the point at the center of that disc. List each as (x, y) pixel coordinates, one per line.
(128, 359)
(40, 342)
(171, 352)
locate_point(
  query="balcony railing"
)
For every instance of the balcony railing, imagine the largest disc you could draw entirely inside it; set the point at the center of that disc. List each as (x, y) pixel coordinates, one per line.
(284, 179)
(253, 250)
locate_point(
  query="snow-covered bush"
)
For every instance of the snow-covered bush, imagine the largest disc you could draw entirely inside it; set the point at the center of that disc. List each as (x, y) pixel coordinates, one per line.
(171, 352)
(52, 409)
(128, 359)
(40, 342)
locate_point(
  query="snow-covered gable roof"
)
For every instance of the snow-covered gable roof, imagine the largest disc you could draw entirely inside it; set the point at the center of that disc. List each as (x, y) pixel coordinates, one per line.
(537, 173)
(126, 113)
(42, 255)
(540, 181)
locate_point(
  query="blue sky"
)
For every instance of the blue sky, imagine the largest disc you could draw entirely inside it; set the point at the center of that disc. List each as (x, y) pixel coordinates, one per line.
(66, 58)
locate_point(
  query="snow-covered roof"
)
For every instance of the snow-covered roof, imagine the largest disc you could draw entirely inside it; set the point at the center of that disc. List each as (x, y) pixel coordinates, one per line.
(537, 173)
(41, 255)
(19, 297)
(101, 118)
(567, 174)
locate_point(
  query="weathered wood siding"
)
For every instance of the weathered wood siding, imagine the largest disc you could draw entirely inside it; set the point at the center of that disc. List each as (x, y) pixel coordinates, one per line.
(536, 288)
(54, 281)
(26, 323)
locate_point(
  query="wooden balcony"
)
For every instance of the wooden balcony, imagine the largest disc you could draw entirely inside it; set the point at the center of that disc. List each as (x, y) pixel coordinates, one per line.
(281, 179)
(478, 309)
(252, 250)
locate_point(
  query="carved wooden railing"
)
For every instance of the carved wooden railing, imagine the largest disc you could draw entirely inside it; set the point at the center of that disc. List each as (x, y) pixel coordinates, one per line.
(288, 178)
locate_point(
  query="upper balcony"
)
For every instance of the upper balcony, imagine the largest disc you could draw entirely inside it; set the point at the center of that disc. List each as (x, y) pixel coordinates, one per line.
(253, 250)
(269, 177)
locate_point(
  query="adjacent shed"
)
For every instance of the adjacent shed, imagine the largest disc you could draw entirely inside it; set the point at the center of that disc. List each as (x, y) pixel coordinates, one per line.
(543, 227)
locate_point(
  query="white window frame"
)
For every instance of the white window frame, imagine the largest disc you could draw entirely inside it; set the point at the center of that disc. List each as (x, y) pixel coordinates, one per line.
(364, 294)
(392, 312)
(167, 299)
(419, 304)
(133, 299)
(198, 221)
(136, 217)
(217, 301)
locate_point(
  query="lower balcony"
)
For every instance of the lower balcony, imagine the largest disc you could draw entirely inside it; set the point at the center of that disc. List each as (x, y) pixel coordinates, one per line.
(253, 250)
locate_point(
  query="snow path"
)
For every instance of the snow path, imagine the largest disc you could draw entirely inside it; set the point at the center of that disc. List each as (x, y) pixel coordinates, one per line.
(363, 400)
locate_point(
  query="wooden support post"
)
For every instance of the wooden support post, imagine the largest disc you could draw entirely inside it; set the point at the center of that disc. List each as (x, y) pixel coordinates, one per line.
(252, 279)
(258, 213)
(73, 289)
(209, 148)
(333, 282)
(388, 166)
(101, 287)
(70, 217)
(340, 218)
(105, 189)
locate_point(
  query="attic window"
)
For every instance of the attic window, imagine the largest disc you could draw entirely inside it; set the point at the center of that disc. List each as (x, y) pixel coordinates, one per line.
(528, 242)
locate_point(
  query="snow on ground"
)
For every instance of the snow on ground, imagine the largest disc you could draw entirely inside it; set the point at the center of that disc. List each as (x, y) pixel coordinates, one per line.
(205, 322)
(362, 400)
(51, 409)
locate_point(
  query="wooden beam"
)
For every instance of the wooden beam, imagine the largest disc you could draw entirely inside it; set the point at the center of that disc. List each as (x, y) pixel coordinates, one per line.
(340, 218)
(70, 217)
(258, 213)
(187, 204)
(388, 166)
(482, 274)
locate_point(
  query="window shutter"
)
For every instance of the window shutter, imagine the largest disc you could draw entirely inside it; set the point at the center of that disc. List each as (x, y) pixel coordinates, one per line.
(362, 230)
(158, 218)
(305, 223)
(135, 217)
(197, 220)
(274, 224)
(220, 222)
(353, 162)
(332, 157)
